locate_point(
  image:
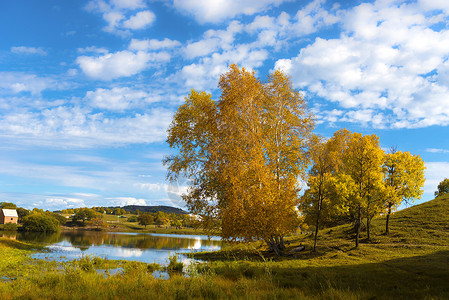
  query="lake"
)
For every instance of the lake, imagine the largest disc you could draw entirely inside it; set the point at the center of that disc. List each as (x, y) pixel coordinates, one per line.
(144, 247)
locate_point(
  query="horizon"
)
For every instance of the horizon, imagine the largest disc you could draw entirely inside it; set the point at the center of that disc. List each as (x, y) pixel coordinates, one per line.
(88, 88)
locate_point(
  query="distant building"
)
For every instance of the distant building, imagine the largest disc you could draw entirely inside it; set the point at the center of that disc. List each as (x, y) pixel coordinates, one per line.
(8, 216)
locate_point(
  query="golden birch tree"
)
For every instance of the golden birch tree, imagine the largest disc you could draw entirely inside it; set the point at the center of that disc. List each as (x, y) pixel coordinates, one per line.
(244, 154)
(362, 162)
(326, 159)
(404, 179)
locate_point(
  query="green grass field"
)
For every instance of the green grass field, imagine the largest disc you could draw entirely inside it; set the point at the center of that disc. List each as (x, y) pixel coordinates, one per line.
(410, 263)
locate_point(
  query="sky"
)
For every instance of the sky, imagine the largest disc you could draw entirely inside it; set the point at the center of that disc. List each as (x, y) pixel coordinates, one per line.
(88, 88)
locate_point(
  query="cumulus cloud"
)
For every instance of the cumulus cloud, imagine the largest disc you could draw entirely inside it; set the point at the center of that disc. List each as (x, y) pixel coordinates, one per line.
(120, 64)
(123, 201)
(17, 82)
(204, 74)
(93, 49)
(220, 47)
(62, 127)
(435, 173)
(141, 20)
(436, 150)
(206, 11)
(119, 99)
(64, 202)
(213, 40)
(388, 68)
(122, 15)
(28, 50)
(153, 44)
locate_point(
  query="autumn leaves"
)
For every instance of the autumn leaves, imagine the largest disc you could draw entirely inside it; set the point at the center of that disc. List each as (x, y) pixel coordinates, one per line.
(246, 152)
(352, 179)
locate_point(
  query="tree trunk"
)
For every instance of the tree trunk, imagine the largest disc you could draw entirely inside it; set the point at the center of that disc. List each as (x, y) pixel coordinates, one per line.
(317, 225)
(273, 246)
(368, 222)
(387, 228)
(282, 243)
(358, 225)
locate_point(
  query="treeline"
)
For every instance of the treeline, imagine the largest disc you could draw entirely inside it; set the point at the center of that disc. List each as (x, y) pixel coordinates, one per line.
(130, 209)
(163, 219)
(47, 221)
(94, 216)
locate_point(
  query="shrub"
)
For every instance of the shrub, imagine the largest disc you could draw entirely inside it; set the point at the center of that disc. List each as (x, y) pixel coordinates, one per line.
(174, 265)
(10, 227)
(40, 222)
(132, 219)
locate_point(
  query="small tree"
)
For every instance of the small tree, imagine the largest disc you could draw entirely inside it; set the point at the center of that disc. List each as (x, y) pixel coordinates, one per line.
(98, 222)
(443, 188)
(403, 178)
(362, 162)
(133, 219)
(84, 214)
(145, 219)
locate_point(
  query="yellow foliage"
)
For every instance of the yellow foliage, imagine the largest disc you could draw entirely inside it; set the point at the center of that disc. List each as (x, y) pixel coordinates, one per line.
(243, 153)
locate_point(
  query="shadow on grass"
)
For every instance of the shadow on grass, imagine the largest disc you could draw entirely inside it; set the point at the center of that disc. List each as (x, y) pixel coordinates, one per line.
(417, 277)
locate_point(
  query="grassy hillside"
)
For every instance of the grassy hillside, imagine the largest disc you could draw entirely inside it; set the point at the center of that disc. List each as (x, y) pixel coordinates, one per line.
(412, 262)
(426, 224)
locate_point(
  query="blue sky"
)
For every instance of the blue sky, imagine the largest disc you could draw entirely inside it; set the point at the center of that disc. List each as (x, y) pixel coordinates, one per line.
(88, 88)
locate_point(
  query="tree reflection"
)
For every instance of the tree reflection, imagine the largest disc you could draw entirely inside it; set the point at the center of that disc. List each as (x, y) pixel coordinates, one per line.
(86, 239)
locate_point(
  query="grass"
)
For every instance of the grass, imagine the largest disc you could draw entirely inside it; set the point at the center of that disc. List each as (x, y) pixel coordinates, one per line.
(410, 263)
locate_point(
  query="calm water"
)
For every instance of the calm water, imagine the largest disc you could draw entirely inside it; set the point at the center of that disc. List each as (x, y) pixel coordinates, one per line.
(145, 247)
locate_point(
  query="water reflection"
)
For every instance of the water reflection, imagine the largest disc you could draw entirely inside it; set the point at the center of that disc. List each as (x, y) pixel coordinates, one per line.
(144, 247)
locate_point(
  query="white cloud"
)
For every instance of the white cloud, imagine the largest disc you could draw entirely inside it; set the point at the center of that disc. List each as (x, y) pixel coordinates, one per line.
(153, 44)
(152, 187)
(120, 64)
(141, 20)
(434, 150)
(64, 202)
(128, 4)
(120, 99)
(28, 50)
(206, 11)
(17, 82)
(93, 49)
(123, 201)
(378, 70)
(122, 15)
(63, 127)
(205, 74)
(435, 173)
(213, 41)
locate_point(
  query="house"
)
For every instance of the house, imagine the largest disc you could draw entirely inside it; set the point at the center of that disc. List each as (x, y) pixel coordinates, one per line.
(8, 216)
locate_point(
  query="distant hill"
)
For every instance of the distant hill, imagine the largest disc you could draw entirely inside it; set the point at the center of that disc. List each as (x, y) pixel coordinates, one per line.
(154, 209)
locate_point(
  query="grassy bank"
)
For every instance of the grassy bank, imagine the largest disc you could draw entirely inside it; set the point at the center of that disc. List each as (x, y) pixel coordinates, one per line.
(410, 263)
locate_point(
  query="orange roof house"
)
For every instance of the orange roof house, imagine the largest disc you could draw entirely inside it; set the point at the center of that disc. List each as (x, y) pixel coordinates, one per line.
(8, 216)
